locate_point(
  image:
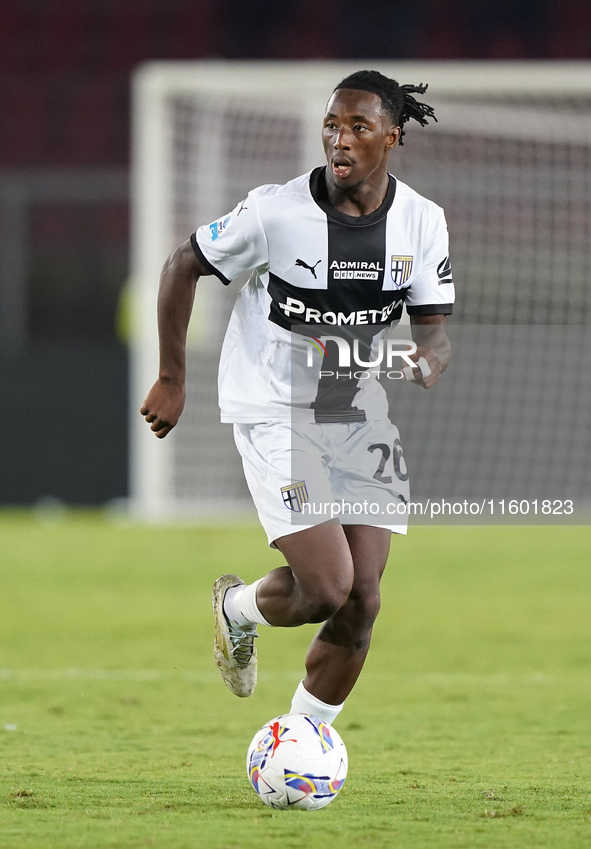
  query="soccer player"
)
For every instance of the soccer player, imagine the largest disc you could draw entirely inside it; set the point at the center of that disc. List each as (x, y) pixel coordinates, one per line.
(334, 254)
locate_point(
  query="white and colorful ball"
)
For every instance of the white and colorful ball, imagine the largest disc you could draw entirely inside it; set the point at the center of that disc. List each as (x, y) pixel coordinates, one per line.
(296, 761)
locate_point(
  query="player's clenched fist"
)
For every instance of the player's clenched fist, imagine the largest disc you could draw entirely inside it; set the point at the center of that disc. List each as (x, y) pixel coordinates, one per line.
(163, 406)
(428, 369)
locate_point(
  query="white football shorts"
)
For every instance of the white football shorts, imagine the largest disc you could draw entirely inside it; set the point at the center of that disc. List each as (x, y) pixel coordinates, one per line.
(301, 475)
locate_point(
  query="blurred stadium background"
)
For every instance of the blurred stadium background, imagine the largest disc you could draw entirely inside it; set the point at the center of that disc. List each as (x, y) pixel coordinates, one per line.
(65, 70)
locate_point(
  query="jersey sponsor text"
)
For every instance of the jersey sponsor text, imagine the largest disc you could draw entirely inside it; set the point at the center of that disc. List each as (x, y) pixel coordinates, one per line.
(293, 306)
(355, 270)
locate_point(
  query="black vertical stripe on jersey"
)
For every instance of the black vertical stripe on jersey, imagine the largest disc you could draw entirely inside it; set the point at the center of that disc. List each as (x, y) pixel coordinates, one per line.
(336, 390)
(350, 246)
(353, 245)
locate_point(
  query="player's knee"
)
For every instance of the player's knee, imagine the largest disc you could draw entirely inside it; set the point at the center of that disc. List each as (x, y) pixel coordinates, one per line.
(365, 604)
(321, 610)
(324, 602)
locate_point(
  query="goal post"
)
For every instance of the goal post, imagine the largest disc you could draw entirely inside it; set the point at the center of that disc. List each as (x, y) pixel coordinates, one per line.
(509, 136)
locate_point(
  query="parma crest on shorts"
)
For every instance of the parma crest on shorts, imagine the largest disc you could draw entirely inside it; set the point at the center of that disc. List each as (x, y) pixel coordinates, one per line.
(295, 495)
(400, 268)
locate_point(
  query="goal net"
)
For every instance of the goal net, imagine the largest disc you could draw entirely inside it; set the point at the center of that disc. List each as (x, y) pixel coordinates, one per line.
(509, 160)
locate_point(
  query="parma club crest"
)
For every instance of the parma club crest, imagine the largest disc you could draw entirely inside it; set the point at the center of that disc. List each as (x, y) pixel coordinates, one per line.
(295, 495)
(400, 268)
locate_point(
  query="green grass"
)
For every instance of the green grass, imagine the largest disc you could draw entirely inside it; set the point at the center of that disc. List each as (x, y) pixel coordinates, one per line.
(469, 728)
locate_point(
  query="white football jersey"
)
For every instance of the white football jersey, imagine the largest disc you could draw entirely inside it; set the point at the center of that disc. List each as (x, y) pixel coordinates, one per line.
(319, 274)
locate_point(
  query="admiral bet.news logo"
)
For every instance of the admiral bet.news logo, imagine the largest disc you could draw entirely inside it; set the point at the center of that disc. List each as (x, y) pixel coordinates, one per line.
(397, 351)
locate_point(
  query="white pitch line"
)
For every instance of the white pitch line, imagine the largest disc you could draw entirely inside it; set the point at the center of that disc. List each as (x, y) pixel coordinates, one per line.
(200, 676)
(206, 676)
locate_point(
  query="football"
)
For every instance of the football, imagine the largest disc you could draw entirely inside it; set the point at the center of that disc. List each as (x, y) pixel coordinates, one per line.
(296, 761)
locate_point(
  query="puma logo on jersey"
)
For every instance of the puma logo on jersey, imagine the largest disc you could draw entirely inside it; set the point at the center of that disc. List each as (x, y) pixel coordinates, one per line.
(444, 271)
(310, 268)
(242, 208)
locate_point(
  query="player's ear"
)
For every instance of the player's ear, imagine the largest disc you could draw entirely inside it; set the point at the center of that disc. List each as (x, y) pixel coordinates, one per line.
(393, 138)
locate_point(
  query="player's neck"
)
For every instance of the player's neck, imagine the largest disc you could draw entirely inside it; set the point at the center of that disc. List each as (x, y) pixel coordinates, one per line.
(359, 200)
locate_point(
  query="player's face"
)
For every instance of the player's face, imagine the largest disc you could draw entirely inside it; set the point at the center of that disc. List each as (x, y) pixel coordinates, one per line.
(357, 136)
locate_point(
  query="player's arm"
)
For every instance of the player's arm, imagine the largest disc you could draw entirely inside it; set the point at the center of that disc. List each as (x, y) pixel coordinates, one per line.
(166, 399)
(428, 331)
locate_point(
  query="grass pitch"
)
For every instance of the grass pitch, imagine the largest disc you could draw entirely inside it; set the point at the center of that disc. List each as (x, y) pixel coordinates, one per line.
(470, 726)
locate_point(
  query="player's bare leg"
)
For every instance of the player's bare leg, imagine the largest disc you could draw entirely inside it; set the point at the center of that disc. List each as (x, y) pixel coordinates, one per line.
(339, 650)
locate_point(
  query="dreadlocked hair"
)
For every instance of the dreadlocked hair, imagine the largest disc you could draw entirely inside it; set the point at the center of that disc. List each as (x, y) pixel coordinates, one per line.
(397, 100)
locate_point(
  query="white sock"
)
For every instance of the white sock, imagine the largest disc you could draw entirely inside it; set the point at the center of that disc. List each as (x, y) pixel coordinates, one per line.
(240, 604)
(305, 702)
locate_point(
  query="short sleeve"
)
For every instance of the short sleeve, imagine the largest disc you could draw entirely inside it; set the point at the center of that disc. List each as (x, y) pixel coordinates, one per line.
(432, 291)
(234, 243)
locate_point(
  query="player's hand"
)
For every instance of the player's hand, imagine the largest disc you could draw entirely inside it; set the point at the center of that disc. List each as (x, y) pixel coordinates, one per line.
(433, 363)
(163, 406)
